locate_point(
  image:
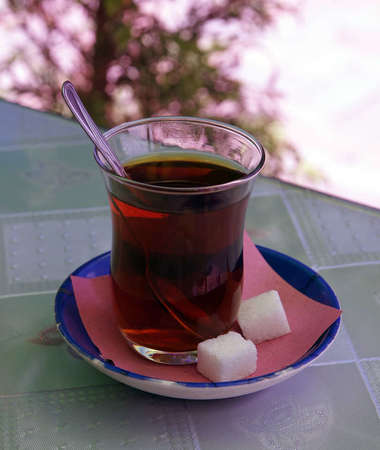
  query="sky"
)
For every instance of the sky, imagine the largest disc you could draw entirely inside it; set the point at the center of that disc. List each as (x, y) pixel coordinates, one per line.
(328, 68)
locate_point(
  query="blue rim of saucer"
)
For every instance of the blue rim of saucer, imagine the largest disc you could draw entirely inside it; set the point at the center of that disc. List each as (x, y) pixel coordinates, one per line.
(297, 274)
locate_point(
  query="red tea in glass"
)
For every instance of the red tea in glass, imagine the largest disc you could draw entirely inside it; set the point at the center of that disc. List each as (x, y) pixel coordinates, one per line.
(178, 221)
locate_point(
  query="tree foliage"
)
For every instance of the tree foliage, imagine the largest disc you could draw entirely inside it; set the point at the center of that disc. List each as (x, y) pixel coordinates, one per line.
(127, 61)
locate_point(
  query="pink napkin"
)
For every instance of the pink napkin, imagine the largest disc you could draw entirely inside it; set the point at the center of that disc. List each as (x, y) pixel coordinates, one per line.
(307, 318)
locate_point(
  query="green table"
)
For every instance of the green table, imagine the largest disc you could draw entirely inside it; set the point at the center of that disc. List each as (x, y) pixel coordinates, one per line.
(54, 216)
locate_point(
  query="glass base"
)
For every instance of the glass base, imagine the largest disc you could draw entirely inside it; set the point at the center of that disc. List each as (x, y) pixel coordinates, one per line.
(163, 357)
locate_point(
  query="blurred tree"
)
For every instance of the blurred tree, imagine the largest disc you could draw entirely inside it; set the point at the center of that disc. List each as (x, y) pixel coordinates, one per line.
(138, 58)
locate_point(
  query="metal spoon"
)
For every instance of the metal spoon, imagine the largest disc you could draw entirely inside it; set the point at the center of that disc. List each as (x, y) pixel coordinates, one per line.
(83, 117)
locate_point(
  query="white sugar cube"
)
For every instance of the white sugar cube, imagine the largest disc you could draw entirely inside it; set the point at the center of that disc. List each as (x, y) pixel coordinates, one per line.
(227, 357)
(263, 317)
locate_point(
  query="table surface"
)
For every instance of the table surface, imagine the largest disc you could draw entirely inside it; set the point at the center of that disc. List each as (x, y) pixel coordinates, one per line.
(54, 216)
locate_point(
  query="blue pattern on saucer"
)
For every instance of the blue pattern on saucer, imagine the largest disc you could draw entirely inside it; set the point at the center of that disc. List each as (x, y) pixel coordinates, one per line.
(300, 276)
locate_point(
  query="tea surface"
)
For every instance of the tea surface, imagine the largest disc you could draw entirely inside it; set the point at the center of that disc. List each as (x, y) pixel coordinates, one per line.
(183, 170)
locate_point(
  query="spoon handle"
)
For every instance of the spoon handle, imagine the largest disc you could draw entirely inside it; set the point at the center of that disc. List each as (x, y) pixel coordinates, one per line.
(79, 111)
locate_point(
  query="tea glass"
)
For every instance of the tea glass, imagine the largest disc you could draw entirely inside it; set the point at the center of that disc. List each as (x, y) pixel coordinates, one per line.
(177, 243)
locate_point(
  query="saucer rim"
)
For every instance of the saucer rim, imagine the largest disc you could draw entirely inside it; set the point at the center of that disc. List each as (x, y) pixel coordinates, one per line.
(325, 339)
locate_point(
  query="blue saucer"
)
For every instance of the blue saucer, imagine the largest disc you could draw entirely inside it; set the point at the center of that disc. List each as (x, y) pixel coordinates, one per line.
(294, 272)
